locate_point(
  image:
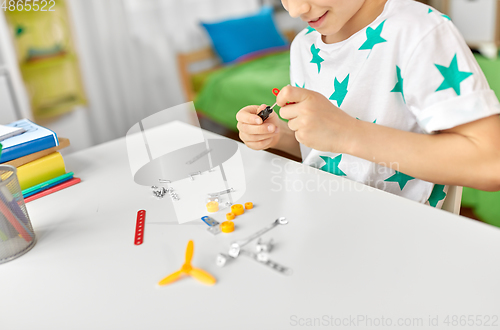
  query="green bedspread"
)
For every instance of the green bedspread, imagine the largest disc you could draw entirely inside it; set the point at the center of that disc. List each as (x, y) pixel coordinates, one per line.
(486, 205)
(229, 89)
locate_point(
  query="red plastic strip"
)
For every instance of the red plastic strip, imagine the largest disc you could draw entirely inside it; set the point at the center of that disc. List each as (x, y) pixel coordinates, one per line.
(277, 91)
(139, 227)
(53, 189)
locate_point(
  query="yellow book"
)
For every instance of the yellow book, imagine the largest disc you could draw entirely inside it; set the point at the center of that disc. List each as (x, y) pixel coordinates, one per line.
(40, 170)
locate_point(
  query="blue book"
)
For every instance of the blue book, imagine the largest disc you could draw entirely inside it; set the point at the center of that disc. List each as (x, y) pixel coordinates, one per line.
(34, 139)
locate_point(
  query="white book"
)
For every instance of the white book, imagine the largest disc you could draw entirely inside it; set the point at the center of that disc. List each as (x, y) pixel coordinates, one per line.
(8, 131)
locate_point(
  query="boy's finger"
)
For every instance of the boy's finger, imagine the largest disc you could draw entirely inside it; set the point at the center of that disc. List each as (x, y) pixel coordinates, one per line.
(293, 125)
(259, 145)
(248, 115)
(290, 94)
(290, 111)
(256, 129)
(255, 137)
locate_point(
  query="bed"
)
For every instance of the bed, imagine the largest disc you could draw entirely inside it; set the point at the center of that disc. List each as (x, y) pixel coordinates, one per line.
(221, 91)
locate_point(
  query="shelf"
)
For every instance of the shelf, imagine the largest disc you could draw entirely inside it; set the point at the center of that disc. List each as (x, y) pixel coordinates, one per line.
(58, 107)
(47, 62)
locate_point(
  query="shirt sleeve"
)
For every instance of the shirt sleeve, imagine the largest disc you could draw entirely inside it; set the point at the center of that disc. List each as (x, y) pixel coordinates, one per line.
(443, 85)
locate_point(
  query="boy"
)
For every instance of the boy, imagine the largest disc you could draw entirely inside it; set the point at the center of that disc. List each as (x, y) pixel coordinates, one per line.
(384, 82)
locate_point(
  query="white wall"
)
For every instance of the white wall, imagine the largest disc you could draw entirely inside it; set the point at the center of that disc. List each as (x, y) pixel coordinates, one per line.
(73, 126)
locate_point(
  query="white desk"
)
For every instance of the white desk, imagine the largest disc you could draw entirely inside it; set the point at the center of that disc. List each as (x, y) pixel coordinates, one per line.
(354, 251)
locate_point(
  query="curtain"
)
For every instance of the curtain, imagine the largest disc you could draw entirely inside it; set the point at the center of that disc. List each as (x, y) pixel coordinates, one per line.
(127, 51)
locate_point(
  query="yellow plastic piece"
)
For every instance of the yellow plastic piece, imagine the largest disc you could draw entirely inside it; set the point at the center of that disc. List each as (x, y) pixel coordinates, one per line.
(237, 209)
(230, 216)
(227, 227)
(187, 269)
(212, 207)
(248, 205)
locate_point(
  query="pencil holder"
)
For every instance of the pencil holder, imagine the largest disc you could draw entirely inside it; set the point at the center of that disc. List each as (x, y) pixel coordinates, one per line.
(16, 233)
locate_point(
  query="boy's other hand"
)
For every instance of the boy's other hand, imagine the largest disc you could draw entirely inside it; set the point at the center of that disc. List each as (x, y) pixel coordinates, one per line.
(253, 132)
(317, 123)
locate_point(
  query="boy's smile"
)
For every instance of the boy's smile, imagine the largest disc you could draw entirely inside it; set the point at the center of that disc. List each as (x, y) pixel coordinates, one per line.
(316, 23)
(336, 20)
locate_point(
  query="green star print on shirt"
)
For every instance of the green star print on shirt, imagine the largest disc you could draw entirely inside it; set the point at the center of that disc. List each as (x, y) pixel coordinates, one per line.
(309, 30)
(436, 195)
(373, 37)
(400, 178)
(399, 85)
(340, 90)
(443, 15)
(332, 165)
(452, 76)
(373, 122)
(316, 58)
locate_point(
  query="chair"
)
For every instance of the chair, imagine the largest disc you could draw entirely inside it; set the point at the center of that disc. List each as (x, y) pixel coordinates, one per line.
(453, 200)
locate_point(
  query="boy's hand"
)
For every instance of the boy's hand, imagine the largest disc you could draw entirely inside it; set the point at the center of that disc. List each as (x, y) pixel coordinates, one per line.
(317, 123)
(253, 132)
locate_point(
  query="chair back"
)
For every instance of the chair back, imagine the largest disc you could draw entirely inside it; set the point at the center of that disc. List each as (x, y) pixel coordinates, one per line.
(453, 199)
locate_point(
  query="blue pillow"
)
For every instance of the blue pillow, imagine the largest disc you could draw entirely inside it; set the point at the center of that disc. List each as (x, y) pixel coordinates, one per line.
(235, 38)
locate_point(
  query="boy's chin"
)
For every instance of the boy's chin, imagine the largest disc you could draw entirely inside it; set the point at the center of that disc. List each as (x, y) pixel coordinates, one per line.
(329, 30)
(328, 34)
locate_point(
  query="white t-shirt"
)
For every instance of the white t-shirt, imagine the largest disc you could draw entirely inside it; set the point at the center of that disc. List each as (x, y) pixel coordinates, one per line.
(410, 69)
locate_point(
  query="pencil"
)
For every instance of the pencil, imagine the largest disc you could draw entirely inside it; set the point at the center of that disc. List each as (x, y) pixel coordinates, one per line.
(16, 223)
(3, 237)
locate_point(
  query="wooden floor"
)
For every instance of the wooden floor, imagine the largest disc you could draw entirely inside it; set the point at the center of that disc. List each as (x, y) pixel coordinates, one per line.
(469, 213)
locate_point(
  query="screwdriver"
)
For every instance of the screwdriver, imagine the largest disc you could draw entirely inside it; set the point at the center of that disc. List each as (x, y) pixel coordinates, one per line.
(264, 114)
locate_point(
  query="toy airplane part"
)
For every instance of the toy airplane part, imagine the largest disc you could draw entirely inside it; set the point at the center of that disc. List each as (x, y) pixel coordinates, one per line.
(187, 269)
(235, 248)
(264, 114)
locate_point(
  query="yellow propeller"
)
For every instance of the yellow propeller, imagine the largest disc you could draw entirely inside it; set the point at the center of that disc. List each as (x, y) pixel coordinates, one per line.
(187, 269)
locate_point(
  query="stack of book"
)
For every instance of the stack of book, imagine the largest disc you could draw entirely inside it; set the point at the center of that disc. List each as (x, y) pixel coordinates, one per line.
(33, 150)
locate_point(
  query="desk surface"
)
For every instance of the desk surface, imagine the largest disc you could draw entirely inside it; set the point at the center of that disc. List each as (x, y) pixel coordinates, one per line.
(357, 254)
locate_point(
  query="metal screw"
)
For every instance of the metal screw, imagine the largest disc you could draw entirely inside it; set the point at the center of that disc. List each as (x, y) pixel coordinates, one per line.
(213, 199)
(216, 194)
(173, 195)
(222, 259)
(264, 246)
